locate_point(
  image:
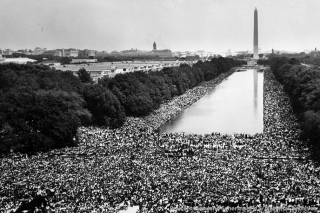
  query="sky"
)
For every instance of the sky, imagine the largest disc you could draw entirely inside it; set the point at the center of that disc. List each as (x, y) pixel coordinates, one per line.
(179, 25)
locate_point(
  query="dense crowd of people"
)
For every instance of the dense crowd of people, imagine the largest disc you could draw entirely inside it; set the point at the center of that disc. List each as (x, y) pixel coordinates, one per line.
(169, 172)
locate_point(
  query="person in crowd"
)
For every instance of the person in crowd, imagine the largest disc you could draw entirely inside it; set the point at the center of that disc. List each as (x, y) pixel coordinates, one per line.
(136, 165)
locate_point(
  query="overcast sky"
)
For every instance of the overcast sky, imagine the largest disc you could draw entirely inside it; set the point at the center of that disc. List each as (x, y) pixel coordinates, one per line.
(179, 25)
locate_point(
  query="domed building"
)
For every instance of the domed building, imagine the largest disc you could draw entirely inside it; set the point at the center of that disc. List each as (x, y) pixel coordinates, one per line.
(165, 53)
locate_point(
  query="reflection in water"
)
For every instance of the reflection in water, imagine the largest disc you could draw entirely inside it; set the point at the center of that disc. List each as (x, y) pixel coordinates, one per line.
(255, 89)
(234, 106)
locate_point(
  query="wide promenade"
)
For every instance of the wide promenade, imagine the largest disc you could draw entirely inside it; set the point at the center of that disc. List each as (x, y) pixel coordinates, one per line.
(135, 165)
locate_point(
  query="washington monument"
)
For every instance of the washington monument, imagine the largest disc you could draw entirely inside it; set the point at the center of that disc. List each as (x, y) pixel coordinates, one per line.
(255, 35)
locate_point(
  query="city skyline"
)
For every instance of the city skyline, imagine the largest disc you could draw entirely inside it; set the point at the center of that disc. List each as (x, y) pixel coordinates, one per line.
(177, 25)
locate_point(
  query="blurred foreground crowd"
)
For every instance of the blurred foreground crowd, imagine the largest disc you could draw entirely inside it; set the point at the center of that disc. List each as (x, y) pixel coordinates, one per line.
(136, 165)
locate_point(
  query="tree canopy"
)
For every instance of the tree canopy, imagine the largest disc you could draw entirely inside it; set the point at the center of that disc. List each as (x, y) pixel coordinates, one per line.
(84, 76)
(303, 87)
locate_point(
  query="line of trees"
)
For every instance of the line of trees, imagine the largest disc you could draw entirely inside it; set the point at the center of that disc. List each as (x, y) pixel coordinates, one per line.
(302, 84)
(312, 58)
(263, 62)
(41, 108)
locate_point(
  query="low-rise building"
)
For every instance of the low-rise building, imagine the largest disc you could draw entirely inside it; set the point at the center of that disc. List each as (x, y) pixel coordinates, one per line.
(50, 62)
(49, 52)
(72, 53)
(110, 69)
(87, 53)
(19, 60)
(58, 52)
(183, 54)
(201, 53)
(8, 52)
(133, 53)
(39, 51)
(83, 60)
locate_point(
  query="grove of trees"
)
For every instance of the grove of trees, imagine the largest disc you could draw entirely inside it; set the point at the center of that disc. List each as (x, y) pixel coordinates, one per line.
(303, 87)
(41, 108)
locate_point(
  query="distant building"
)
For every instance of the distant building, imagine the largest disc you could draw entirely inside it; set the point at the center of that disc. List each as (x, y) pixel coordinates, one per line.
(175, 54)
(49, 52)
(134, 53)
(246, 52)
(99, 70)
(314, 53)
(39, 51)
(183, 54)
(8, 52)
(25, 51)
(201, 53)
(87, 53)
(154, 46)
(30, 52)
(72, 53)
(83, 60)
(308, 51)
(165, 53)
(251, 62)
(50, 62)
(19, 60)
(58, 52)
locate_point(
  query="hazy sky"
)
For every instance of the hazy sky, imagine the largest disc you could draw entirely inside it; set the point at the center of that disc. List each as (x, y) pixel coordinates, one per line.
(179, 25)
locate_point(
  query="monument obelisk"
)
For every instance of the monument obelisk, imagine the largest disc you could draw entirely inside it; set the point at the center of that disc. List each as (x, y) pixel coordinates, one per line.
(255, 35)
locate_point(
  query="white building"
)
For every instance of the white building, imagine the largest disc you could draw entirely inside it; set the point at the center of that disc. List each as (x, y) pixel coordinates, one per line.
(50, 62)
(83, 60)
(19, 60)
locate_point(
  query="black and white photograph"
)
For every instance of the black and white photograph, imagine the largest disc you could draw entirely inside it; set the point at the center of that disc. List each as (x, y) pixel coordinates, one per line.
(159, 106)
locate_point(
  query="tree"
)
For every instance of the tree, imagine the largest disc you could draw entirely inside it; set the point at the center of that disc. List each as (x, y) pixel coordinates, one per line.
(105, 107)
(294, 61)
(84, 76)
(8, 78)
(40, 120)
(302, 85)
(277, 62)
(263, 62)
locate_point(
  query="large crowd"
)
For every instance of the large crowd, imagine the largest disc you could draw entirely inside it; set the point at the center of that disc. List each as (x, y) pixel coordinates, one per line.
(170, 172)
